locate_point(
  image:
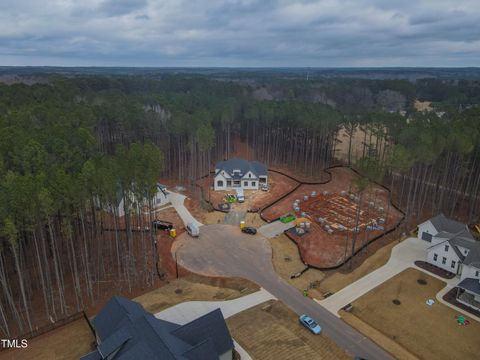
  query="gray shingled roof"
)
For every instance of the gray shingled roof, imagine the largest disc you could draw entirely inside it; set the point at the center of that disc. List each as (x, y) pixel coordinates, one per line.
(470, 284)
(125, 326)
(444, 224)
(209, 326)
(458, 235)
(257, 168)
(94, 355)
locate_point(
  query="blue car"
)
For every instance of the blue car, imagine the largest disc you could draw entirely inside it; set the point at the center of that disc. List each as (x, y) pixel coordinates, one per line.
(310, 324)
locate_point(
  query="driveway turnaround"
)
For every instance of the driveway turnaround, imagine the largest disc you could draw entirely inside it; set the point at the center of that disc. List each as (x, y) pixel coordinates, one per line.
(177, 202)
(403, 256)
(275, 228)
(190, 310)
(223, 250)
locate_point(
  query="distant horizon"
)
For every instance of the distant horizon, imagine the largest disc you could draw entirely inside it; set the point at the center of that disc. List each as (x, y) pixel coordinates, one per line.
(240, 33)
(241, 67)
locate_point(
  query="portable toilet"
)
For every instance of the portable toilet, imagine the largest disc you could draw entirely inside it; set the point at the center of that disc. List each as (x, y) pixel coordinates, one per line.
(242, 224)
(173, 233)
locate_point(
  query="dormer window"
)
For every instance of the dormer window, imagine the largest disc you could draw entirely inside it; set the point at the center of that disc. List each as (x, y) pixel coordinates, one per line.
(446, 248)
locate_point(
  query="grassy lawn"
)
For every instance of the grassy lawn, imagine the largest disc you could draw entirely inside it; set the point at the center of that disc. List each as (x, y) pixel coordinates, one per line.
(193, 288)
(67, 342)
(429, 332)
(274, 333)
(337, 280)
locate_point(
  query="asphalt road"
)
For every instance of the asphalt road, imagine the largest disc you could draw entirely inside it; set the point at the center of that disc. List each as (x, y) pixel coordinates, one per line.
(223, 250)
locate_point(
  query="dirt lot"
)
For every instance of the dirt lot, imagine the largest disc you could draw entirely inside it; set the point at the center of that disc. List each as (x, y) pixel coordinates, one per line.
(429, 332)
(286, 262)
(318, 247)
(67, 342)
(195, 287)
(271, 331)
(278, 186)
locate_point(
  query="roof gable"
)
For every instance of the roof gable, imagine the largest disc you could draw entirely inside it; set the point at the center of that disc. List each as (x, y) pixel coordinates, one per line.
(209, 326)
(125, 329)
(257, 168)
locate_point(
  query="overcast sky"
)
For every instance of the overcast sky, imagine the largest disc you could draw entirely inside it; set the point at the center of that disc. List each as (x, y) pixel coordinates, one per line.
(240, 32)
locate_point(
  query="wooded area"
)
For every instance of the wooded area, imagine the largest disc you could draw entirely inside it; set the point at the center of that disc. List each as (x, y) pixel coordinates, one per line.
(72, 148)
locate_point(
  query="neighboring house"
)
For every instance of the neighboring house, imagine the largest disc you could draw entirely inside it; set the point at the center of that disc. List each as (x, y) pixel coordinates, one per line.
(124, 330)
(468, 293)
(238, 173)
(160, 198)
(453, 248)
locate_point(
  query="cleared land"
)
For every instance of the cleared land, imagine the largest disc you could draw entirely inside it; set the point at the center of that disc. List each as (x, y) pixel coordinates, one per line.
(429, 332)
(323, 249)
(67, 342)
(278, 186)
(271, 331)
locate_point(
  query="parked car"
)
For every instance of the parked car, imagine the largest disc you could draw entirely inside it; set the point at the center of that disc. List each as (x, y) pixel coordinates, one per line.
(310, 324)
(193, 229)
(162, 225)
(249, 230)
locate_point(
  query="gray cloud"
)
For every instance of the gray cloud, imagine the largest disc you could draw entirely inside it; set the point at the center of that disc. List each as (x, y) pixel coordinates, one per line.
(240, 33)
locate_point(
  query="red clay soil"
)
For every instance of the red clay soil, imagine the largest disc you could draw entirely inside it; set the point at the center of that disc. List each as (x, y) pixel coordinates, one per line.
(279, 185)
(323, 250)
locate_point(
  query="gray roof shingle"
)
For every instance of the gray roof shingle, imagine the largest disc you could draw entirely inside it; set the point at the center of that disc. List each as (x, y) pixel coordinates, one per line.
(458, 235)
(442, 223)
(470, 284)
(125, 329)
(257, 168)
(209, 326)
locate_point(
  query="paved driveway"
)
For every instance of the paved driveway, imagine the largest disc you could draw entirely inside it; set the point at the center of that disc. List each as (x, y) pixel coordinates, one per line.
(177, 201)
(403, 256)
(275, 228)
(223, 250)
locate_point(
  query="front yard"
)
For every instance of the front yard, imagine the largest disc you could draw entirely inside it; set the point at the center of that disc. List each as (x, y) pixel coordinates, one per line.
(429, 332)
(271, 331)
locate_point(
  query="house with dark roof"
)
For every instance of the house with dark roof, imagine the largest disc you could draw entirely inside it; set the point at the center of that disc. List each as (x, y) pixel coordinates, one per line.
(125, 331)
(239, 173)
(453, 248)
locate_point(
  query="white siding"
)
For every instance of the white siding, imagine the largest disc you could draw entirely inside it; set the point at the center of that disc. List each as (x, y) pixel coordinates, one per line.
(245, 183)
(449, 256)
(222, 178)
(470, 271)
(228, 355)
(427, 227)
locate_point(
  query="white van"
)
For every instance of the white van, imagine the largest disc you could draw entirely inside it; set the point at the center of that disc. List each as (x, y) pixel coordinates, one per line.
(193, 229)
(240, 196)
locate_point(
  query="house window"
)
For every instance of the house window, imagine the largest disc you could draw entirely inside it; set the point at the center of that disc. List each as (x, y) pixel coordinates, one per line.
(229, 182)
(446, 248)
(245, 183)
(236, 183)
(435, 257)
(444, 260)
(220, 183)
(254, 183)
(476, 273)
(249, 175)
(453, 264)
